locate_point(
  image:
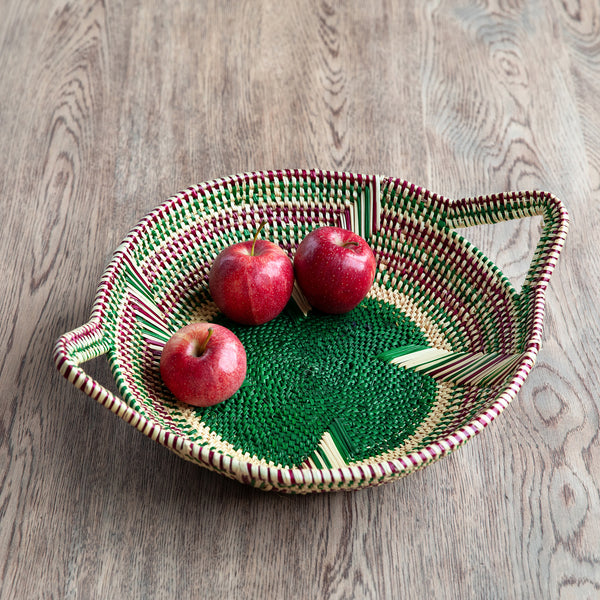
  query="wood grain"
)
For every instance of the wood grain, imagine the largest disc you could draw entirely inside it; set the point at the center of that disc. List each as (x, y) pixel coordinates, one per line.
(107, 108)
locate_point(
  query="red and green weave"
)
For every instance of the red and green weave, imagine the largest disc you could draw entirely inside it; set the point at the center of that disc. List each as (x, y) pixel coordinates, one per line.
(440, 346)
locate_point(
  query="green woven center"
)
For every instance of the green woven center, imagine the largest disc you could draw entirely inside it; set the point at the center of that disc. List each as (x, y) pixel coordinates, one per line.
(320, 374)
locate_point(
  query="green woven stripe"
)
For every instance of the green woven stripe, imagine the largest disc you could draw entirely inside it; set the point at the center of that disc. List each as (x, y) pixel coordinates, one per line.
(366, 204)
(336, 448)
(464, 368)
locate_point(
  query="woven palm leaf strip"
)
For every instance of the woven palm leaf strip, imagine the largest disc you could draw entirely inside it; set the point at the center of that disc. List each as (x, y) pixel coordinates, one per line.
(236, 205)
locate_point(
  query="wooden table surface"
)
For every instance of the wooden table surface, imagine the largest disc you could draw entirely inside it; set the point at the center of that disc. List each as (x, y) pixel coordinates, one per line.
(107, 108)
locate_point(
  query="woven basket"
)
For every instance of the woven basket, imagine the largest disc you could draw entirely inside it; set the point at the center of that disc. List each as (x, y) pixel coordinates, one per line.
(436, 351)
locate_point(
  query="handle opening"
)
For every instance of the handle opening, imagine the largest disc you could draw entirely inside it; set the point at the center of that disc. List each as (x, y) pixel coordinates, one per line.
(493, 209)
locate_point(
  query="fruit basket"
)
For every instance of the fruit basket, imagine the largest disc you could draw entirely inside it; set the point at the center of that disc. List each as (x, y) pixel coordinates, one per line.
(435, 352)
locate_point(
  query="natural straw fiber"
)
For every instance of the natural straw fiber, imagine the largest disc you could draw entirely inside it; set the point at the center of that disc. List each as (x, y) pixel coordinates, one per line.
(437, 350)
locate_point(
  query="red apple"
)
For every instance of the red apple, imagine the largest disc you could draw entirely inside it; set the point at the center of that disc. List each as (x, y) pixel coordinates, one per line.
(335, 269)
(252, 281)
(203, 364)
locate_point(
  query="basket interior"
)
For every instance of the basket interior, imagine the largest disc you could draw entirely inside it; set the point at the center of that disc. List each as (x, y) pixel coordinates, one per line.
(318, 392)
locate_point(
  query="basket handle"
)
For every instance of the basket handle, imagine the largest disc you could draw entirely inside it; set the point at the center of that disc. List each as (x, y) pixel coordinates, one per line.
(517, 205)
(78, 346)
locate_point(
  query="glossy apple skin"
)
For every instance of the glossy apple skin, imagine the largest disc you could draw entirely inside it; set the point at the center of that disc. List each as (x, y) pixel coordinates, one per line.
(251, 289)
(210, 377)
(334, 277)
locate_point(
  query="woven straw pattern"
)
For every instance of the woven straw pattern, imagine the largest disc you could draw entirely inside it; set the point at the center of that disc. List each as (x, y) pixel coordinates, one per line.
(437, 350)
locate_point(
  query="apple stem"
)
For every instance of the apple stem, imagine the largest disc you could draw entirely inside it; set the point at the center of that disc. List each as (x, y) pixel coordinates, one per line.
(256, 237)
(350, 243)
(202, 347)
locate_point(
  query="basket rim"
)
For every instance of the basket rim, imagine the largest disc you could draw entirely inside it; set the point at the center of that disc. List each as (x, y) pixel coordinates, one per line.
(88, 341)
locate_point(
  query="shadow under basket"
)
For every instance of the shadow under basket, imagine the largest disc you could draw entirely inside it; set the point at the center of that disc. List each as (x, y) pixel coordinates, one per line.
(435, 352)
